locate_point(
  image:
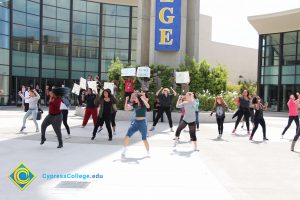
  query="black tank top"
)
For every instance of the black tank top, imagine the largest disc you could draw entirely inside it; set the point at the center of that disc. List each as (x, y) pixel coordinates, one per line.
(244, 104)
(259, 113)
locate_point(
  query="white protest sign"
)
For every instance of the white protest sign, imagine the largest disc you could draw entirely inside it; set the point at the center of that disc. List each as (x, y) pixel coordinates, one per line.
(76, 89)
(182, 77)
(143, 72)
(93, 86)
(82, 83)
(110, 86)
(128, 71)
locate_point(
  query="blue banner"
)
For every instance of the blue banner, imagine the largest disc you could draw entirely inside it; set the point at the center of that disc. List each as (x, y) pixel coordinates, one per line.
(167, 25)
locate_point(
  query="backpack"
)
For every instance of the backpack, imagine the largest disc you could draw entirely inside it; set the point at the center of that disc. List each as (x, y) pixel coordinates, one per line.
(220, 112)
(66, 102)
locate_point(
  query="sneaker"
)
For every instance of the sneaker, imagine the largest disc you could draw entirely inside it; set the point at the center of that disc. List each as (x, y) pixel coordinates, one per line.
(82, 126)
(22, 129)
(250, 138)
(100, 129)
(152, 128)
(148, 154)
(37, 130)
(171, 130)
(68, 137)
(249, 133)
(220, 136)
(109, 139)
(233, 131)
(60, 146)
(93, 138)
(281, 136)
(42, 141)
(123, 154)
(198, 129)
(176, 142)
(266, 139)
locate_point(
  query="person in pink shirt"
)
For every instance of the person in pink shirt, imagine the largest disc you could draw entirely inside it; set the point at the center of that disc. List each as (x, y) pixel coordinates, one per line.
(129, 86)
(293, 113)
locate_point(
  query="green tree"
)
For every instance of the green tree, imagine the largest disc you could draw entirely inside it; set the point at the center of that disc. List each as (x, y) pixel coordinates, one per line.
(218, 80)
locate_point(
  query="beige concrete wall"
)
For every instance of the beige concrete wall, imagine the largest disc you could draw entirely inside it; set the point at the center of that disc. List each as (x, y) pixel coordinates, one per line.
(239, 61)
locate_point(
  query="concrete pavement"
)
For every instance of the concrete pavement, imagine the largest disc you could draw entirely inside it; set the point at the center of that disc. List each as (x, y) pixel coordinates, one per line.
(231, 168)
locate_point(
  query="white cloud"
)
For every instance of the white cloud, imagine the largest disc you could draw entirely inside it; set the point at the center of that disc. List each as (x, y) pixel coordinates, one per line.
(230, 24)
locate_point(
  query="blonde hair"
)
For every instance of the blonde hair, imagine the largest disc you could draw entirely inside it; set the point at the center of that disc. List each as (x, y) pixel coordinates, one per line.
(167, 89)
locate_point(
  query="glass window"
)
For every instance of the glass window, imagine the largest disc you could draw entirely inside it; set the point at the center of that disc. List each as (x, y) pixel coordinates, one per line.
(33, 33)
(19, 5)
(290, 37)
(105, 65)
(48, 73)
(104, 76)
(63, 26)
(62, 50)
(49, 24)
(288, 80)
(79, 28)
(289, 49)
(92, 52)
(4, 28)
(50, 2)
(273, 39)
(33, 46)
(79, 5)
(4, 41)
(92, 65)
(109, 43)
(78, 51)
(63, 3)
(33, 8)
(134, 12)
(4, 70)
(18, 58)
(288, 70)
(62, 37)
(109, 9)
(271, 70)
(4, 57)
(76, 75)
(49, 11)
(78, 64)
(19, 31)
(62, 74)
(123, 10)
(122, 32)
(108, 31)
(62, 62)
(63, 14)
(93, 7)
(108, 54)
(92, 30)
(33, 20)
(122, 22)
(78, 40)
(19, 17)
(122, 43)
(79, 16)
(32, 60)
(48, 61)
(109, 20)
(49, 36)
(49, 49)
(272, 80)
(122, 54)
(92, 41)
(19, 44)
(18, 71)
(32, 72)
(93, 18)
(4, 14)
(289, 60)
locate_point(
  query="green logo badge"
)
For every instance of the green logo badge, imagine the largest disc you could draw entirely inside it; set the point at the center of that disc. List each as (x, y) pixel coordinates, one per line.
(22, 176)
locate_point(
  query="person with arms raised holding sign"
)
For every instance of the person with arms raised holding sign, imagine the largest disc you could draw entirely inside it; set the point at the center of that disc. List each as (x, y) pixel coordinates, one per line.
(129, 86)
(91, 108)
(165, 99)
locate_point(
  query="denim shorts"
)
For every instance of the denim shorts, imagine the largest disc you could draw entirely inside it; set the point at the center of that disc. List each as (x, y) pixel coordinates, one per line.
(138, 125)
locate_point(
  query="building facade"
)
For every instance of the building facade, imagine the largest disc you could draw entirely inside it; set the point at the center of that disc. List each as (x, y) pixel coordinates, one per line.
(55, 42)
(278, 57)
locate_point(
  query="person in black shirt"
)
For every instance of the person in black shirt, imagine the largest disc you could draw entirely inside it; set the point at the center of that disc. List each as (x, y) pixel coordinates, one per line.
(165, 99)
(91, 108)
(156, 108)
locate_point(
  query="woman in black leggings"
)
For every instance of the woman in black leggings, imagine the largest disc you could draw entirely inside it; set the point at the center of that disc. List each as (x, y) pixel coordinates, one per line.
(220, 108)
(244, 110)
(107, 106)
(64, 107)
(259, 117)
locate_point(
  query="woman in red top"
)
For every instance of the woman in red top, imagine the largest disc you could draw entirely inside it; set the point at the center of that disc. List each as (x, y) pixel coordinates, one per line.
(54, 117)
(293, 113)
(128, 87)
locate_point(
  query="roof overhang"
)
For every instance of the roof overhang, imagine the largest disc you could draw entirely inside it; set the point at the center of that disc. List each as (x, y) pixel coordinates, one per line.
(276, 22)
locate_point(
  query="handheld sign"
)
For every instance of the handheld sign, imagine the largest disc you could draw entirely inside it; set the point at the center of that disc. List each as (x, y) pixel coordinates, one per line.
(143, 72)
(76, 89)
(128, 71)
(182, 77)
(110, 86)
(82, 83)
(93, 86)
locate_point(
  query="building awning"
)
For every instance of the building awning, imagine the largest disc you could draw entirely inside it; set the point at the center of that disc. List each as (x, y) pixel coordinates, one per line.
(276, 22)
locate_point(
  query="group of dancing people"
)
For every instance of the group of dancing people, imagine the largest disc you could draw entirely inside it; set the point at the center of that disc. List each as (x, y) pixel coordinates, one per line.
(102, 106)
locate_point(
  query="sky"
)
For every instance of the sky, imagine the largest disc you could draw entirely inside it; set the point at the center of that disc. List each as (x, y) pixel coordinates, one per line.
(229, 18)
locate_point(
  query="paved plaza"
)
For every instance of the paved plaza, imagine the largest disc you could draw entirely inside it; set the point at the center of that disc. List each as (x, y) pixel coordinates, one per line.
(230, 168)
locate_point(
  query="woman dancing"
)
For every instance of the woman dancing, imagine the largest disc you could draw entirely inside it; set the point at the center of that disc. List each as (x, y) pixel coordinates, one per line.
(220, 108)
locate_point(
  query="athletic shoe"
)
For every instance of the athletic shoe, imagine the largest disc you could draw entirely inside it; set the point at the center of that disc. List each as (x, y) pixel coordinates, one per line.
(233, 131)
(60, 146)
(42, 141)
(68, 137)
(109, 139)
(281, 136)
(249, 133)
(250, 138)
(22, 129)
(152, 128)
(123, 154)
(148, 154)
(171, 130)
(100, 130)
(82, 126)
(37, 130)
(266, 139)
(93, 138)
(220, 136)
(176, 142)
